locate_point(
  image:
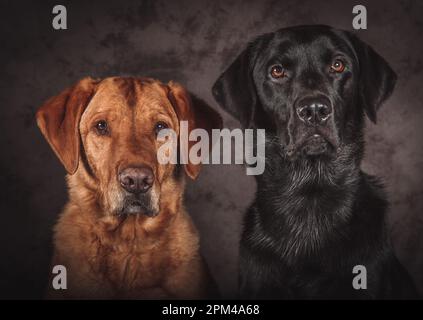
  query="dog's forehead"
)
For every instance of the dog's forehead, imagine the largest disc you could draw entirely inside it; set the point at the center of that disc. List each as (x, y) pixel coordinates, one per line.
(130, 99)
(308, 39)
(133, 90)
(130, 93)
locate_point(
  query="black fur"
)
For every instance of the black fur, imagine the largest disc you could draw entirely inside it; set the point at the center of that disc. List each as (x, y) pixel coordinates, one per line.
(316, 214)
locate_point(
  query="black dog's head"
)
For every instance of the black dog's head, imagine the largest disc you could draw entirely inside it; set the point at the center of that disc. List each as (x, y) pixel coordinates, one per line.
(309, 87)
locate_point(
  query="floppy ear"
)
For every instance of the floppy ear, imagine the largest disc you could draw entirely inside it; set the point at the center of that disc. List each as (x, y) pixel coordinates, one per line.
(376, 79)
(58, 120)
(197, 113)
(235, 90)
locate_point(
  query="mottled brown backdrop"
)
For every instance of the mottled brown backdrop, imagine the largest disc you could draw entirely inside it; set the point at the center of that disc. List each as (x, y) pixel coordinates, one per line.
(191, 42)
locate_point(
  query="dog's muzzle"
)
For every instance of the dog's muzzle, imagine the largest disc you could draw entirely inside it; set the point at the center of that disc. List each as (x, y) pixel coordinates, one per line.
(316, 145)
(136, 180)
(315, 130)
(137, 183)
(138, 204)
(314, 111)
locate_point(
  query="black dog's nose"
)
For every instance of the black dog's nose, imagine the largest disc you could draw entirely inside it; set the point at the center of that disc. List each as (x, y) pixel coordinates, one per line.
(314, 111)
(136, 179)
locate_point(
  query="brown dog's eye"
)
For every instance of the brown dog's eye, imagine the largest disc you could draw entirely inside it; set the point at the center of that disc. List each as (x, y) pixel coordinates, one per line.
(102, 127)
(337, 66)
(160, 126)
(277, 72)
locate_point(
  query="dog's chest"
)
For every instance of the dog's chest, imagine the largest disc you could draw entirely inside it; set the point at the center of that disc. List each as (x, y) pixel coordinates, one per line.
(131, 267)
(132, 261)
(299, 225)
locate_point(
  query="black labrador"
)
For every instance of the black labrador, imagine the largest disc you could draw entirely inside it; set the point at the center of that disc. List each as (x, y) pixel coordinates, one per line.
(316, 215)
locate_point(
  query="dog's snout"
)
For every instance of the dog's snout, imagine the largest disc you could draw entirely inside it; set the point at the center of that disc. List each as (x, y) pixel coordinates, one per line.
(314, 111)
(136, 179)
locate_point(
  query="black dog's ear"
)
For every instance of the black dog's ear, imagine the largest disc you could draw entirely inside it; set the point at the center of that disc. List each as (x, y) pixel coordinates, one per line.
(376, 80)
(234, 90)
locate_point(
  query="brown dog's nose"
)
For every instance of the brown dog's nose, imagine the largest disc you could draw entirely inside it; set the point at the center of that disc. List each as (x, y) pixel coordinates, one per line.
(136, 179)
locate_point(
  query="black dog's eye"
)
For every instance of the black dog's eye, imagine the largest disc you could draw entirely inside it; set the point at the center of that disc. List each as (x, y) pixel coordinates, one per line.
(337, 66)
(102, 127)
(277, 71)
(160, 126)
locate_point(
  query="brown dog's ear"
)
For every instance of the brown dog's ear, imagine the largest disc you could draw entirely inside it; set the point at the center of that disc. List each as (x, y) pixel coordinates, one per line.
(58, 120)
(198, 115)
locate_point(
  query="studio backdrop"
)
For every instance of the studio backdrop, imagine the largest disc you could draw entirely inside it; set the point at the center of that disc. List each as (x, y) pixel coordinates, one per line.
(191, 42)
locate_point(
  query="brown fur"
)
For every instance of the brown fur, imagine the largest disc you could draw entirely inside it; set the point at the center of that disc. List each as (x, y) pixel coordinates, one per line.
(112, 255)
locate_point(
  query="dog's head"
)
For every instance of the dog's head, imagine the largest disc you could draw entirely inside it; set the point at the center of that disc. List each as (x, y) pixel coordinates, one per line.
(105, 133)
(309, 86)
